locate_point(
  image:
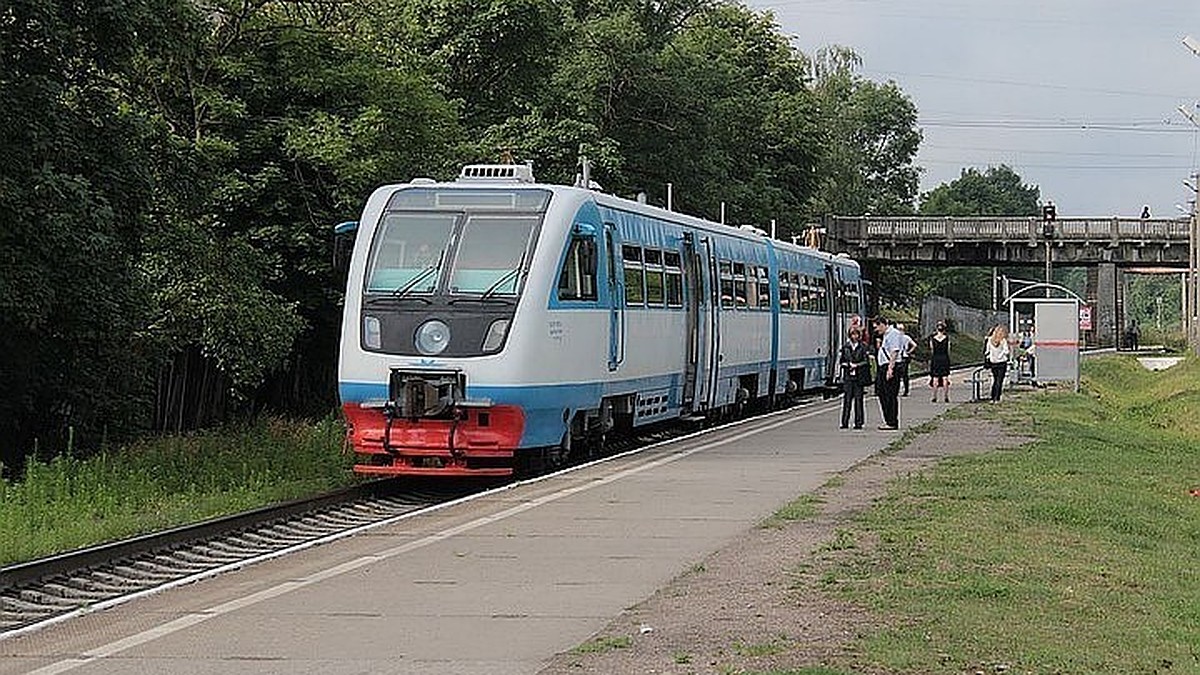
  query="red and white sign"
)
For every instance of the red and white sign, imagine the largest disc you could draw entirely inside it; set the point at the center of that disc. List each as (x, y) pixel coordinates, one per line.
(1085, 317)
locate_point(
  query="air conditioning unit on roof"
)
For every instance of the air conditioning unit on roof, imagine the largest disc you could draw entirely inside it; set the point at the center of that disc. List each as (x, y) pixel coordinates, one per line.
(501, 173)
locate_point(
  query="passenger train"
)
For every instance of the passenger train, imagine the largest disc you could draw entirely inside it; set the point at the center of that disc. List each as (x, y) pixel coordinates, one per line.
(493, 323)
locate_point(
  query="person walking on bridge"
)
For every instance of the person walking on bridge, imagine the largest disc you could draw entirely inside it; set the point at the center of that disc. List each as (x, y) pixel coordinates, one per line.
(887, 380)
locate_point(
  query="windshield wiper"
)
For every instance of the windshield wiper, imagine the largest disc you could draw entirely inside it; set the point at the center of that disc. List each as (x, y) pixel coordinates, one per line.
(504, 278)
(402, 291)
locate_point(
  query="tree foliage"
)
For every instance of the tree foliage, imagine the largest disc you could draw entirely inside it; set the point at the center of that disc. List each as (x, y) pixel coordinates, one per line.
(996, 191)
(871, 141)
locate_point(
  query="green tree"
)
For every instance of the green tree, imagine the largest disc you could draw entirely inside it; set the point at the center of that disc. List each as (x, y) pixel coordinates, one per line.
(996, 191)
(711, 99)
(74, 187)
(276, 122)
(871, 140)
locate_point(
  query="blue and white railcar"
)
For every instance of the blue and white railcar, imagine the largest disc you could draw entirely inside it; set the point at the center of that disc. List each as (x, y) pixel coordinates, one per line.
(494, 320)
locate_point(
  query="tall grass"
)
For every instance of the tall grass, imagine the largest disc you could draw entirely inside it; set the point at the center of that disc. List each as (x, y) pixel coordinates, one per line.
(71, 503)
(1075, 554)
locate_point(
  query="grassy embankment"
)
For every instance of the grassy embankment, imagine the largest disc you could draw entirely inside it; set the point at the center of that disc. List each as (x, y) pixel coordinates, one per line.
(152, 485)
(1074, 554)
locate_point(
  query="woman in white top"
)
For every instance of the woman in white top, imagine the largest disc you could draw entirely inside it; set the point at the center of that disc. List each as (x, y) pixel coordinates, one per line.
(995, 357)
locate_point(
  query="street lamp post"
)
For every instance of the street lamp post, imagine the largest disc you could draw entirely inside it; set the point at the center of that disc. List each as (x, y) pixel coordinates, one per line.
(1192, 316)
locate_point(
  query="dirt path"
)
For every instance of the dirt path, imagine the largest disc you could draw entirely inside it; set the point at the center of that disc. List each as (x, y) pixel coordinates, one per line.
(756, 605)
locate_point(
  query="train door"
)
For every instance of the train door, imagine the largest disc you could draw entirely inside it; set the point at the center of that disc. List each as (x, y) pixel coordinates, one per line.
(701, 324)
(692, 302)
(616, 295)
(835, 321)
(710, 344)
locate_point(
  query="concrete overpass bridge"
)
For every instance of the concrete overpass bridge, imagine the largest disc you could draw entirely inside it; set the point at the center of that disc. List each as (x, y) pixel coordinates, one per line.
(1108, 247)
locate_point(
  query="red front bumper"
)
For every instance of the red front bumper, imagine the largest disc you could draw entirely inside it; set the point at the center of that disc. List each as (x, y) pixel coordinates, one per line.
(481, 442)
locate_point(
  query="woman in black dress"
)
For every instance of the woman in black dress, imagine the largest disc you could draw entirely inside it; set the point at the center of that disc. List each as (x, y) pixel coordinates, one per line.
(939, 362)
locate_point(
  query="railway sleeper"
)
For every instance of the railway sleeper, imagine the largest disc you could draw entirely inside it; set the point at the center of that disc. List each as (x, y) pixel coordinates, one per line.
(175, 561)
(15, 605)
(37, 597)
(115, 577)
(74, 592)
(193, 557)
(109, 590)
(236, 546)
(153, 567)
(143, 576)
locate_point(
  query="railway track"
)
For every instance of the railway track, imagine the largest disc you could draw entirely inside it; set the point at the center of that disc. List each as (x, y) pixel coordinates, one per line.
(53, 589)
(48, 590)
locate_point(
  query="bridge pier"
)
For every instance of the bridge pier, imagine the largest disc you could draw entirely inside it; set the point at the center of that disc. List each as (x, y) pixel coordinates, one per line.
(1104, 285)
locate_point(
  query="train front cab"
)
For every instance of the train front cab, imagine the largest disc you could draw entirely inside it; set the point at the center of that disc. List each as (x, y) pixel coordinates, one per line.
(432, 293)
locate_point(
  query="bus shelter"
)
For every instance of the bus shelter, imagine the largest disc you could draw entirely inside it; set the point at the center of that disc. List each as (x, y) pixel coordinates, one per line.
(1050, 326)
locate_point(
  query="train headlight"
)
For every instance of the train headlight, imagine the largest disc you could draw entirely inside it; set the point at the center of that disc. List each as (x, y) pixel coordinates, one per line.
(372, 334)
(495, 335)
(433, 337)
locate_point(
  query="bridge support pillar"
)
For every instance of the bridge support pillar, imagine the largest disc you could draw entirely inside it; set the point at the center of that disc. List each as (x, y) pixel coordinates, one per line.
(1103, 290)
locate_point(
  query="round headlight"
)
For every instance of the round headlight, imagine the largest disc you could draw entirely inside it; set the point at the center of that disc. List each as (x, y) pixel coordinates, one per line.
(432, 337)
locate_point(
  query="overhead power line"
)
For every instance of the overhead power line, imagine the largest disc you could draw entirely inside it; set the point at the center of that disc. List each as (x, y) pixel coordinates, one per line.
(1157, 128)
(1016, 83)
(1044, 151)
(1028, 165)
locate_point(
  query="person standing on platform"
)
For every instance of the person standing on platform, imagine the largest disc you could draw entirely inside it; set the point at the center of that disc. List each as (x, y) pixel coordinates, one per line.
(995, 357)
(906, 354)
(939, 362)
(887, 382)
(856, 375)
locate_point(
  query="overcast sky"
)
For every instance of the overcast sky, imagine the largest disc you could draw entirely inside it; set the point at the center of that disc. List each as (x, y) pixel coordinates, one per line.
(1080, 98)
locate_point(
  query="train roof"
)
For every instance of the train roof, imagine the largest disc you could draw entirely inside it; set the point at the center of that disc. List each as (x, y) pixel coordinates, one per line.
(521, 175)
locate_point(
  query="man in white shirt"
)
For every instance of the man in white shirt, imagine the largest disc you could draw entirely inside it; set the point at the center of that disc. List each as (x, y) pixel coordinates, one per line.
(906, 354)
(887, 379)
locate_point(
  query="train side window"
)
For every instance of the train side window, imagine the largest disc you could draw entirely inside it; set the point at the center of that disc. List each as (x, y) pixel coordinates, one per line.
(787, 292)
(726, 284)
(577, 280)
(822, 297)
(764, 288)
(739, 285)
(654, 278)
(673, 269)
(635, 283)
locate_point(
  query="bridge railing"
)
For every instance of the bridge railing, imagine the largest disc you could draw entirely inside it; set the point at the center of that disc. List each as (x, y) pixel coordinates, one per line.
(865, 229)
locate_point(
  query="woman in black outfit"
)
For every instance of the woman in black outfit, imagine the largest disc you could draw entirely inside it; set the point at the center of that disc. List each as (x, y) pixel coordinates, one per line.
(856, 375)
(939, 362)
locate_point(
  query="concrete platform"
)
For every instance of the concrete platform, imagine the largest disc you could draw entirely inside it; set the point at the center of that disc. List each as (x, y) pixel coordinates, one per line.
(496, 585)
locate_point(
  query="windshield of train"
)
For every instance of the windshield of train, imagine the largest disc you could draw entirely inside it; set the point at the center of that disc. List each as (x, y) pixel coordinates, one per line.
(460, 241)
(408, 252)
(491, 254)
